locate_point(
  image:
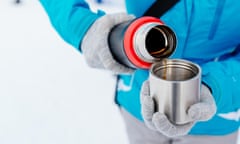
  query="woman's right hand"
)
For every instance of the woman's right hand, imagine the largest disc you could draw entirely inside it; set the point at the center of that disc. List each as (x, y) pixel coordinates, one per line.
(95, 45)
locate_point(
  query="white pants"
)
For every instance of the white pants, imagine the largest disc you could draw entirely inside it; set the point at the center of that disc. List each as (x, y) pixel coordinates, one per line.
(138, 133)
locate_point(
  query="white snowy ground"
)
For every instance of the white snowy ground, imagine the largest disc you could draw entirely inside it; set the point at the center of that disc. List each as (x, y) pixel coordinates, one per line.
(47, 93)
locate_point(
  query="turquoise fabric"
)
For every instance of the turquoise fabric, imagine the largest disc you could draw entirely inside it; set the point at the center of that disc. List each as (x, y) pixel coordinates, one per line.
(207, 33)
(70, 18)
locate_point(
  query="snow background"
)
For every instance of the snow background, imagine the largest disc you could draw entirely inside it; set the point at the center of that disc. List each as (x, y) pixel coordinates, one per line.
(48, 95)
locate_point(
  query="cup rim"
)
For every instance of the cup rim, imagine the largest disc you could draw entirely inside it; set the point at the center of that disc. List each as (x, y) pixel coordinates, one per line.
(186, 64)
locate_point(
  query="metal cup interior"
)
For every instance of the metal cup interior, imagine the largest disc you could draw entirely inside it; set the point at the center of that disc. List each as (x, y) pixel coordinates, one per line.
(175, 70)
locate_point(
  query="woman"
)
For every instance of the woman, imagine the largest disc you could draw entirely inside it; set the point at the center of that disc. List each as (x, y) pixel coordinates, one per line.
(207, 34)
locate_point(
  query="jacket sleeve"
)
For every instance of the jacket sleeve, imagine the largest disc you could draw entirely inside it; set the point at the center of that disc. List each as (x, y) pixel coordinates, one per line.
(223, 77)
(70, 18)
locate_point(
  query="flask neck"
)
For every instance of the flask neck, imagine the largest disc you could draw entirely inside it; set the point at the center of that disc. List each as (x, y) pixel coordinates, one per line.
(154, 41)
(147, 40)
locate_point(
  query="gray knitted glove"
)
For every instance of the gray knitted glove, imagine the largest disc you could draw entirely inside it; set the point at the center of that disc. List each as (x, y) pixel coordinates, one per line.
(95, 43)
(202, 111)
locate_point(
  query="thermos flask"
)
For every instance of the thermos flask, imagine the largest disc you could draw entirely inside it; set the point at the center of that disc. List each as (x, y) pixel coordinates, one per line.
(140, 42)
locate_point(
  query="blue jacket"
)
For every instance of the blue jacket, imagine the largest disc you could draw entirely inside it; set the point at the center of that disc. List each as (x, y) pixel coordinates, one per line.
(207, 33)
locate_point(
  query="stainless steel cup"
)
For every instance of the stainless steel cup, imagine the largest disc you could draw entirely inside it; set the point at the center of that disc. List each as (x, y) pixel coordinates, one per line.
(175, 85)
